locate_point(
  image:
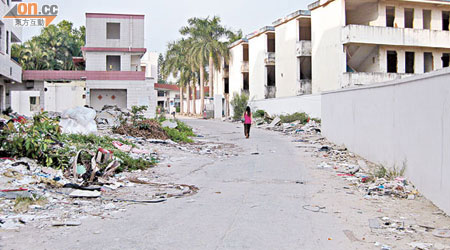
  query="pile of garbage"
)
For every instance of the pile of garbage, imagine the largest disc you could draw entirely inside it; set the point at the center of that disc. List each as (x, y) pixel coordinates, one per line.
(110, 116)
(149, 129)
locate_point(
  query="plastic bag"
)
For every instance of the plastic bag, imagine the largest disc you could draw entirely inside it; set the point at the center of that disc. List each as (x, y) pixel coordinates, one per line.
(79, 120)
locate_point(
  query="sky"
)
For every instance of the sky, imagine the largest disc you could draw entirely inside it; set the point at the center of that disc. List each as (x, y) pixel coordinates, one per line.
(163, 18)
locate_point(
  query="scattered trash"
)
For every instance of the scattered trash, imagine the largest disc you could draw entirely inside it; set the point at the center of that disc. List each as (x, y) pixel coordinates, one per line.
(350, 235)
(420, 245)
(66, 223)
(85, 194)
(314, 208)
(79, 120)
(169, 124)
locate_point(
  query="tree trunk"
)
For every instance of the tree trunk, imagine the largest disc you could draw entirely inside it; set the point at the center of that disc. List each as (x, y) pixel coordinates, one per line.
(194, 96)
(211, 69)
(188, 93)
(202, 89)
(181, 101)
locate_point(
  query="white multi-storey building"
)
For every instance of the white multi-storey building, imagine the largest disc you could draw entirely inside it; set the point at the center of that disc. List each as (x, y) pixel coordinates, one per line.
(293, 54)
(10, 71)
(358, 42)
(114, 47)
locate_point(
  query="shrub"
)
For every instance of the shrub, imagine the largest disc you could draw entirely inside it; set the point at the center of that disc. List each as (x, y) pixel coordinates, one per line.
(302, 117)
(259, 113)
(239, 104)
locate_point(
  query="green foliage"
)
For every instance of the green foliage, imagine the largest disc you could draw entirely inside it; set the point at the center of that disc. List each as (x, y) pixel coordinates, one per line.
(42, 140)
(302, 117)
(137, 113)
(160, 68)
(53, 49)
(239, 104)
(317, 120)
(259, 113)
(38, 140)
(390, 173)
(181, 133)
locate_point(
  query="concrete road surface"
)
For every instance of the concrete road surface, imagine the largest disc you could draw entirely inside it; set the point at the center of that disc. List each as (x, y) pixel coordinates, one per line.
(251, 201)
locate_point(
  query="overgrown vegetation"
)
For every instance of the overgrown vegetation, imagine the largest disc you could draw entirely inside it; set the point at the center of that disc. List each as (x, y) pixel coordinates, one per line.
(239, 103)
(21, 204)
(302, 117)
(43, 141)
(152, 128)
(259, 113)
(53, 49)
(389, 173)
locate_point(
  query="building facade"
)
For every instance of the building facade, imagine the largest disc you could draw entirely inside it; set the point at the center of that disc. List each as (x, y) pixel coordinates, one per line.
(114, 47)
(362, 42)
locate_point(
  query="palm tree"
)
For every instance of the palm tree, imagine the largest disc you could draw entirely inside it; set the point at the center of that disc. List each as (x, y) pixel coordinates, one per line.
(177, 63)
(207, 34)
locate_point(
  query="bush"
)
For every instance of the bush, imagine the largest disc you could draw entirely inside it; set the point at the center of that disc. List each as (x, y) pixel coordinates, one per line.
(302, 117)
(259, 113)
(181, 133)
(239, 104)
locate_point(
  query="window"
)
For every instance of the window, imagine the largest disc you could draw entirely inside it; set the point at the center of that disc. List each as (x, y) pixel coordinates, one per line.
(161, 93)
(7, 2)
(428, 62)
(445, 60)
(113, 30)
(270, 42)
(7, 42)
(227, 85)
(392, 62)
(445, 20)
(409, 18)
(34, 104)
(113, 63)
(427, 19)
(409, 62)
(390, 16)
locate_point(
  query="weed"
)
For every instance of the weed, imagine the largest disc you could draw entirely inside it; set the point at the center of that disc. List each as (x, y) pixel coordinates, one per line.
(302, 117)
(22, 203)
(239, 103)
(390, 173)
(259, 113)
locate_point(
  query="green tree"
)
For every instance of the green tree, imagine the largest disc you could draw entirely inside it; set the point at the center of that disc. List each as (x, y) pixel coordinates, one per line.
(52, 49)
(160, 68)
(208, 35)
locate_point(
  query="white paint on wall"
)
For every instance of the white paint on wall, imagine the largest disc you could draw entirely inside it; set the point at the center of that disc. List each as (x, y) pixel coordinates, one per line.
(59, 97)
(404, 121)
(310, 104)
(20, 102)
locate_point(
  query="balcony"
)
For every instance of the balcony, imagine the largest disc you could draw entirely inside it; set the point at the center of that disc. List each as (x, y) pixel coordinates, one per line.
(362, 78)
(303, 48)
(270, 92)
(244, 67)
(269, 59)
(305, 86)
(10, 68)
(363, 34)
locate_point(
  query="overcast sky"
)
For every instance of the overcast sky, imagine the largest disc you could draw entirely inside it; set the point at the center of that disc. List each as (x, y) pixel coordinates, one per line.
(163, 18)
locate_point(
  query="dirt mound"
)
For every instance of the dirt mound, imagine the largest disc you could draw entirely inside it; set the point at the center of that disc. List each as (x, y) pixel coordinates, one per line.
(149, 129)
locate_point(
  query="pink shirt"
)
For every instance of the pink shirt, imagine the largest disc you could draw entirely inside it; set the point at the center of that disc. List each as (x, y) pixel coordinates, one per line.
(247, 119)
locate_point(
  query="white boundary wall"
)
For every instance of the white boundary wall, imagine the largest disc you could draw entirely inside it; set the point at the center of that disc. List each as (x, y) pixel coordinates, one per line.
(406, 120)
(310, 104)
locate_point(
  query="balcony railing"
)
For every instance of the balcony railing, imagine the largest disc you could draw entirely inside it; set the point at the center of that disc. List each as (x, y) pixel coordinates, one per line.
(269, 59)
(364, 34)
(244, 67)
(362, 78)
(270, 92)
(303, 48)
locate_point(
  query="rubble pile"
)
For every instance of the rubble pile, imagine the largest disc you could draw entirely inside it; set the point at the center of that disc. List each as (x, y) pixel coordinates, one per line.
(149, 129)
(110, 116)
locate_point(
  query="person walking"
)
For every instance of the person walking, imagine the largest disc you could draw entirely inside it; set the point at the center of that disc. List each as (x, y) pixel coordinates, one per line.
(247, 122)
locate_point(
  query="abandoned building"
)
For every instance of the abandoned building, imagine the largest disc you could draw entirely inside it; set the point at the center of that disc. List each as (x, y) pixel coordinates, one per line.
(113, 76)
(363, 42)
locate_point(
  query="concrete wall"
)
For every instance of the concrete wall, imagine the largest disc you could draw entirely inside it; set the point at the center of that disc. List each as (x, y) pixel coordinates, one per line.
(21, 87)
(131, 33)
(62, 96)
(139, 93)
(286, 66)
(257, 68)
(96, 61)
(310, 104)
(150, 61)
(402, 121)
(236, 77)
